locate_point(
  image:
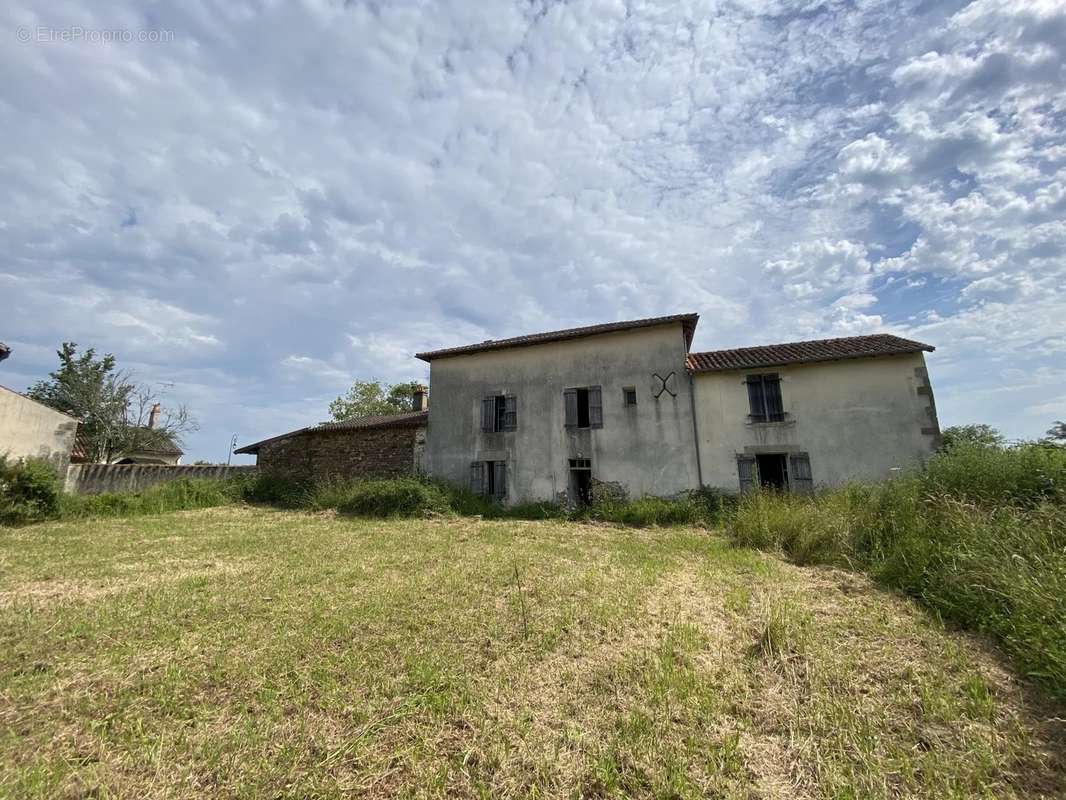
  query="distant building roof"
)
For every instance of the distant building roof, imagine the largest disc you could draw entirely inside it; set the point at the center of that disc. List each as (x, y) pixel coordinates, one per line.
(161, 444)
(688, 324)
(401, 420)
(775, 355)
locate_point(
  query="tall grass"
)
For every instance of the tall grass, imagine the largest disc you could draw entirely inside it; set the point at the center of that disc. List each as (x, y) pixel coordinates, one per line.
(179, 495)
(979, 536)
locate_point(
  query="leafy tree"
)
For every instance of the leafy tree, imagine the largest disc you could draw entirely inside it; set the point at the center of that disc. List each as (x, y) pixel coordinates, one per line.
(371, 398)
(977, 434)
(113, 411)
(1056, 434)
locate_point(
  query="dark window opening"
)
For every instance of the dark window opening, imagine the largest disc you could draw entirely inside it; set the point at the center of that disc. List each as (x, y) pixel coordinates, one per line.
(629, 396)
(489, 478)
(499, 413)
(581, 481)
(764, 398)
(584, 407)
(773, 470)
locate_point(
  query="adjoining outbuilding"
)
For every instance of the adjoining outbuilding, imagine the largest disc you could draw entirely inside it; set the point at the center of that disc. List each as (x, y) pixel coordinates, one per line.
(379, 446)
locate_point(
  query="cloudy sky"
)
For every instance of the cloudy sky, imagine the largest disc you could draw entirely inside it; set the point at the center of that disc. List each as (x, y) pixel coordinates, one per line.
(252, 204)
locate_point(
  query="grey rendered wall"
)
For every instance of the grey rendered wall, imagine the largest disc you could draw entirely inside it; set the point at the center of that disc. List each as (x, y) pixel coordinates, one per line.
(860, 420)
(646, 449)
(29, 429)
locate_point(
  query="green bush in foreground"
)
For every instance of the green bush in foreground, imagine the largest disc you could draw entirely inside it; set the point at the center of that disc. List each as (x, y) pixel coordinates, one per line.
(398, 497)
(29, 490)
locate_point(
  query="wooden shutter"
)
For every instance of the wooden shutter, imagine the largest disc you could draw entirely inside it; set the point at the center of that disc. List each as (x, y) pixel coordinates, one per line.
(800, 469)
(748, 472)
(570, 401)
(756, 398)
(477, 477)
(488, 414)
(595, 407)
(775, 410)
(499, 479)
(510, 413)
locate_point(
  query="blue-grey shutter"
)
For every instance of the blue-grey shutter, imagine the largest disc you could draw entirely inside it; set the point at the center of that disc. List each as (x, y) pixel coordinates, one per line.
(800, 470)
(499, 479)
(477, 477)
(748, 472)
(595, 407)
(510, 413)
(570, 400)
(756, 400)
(488, 414)
(775, 410)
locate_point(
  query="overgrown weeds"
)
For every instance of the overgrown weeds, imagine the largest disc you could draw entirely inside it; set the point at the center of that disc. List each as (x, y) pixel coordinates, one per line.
(979, 537)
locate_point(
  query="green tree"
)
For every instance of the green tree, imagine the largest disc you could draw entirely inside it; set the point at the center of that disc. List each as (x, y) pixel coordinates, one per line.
(975, 434)
(113, 411)
(1056, 434)
(372, 398)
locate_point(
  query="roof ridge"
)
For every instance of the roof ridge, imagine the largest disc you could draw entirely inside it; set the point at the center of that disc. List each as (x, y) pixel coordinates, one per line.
(688, 321)
(806, 351)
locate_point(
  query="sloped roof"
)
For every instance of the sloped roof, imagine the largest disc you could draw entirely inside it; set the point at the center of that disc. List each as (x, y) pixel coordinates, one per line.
(401, 420)
(688, 323)
(163, 445)
(775, 355)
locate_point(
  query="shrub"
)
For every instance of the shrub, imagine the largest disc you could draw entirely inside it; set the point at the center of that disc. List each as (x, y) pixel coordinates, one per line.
(397, 497)
(699, 507)
(277, 491)
(29, 490)
(1024, 474)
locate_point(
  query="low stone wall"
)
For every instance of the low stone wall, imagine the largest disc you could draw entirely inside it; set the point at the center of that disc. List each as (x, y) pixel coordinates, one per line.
(99, 478)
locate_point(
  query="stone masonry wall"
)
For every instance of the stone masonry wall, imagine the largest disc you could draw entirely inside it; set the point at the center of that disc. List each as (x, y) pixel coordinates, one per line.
(345, 454)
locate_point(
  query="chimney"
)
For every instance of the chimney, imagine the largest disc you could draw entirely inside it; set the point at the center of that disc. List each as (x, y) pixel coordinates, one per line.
(153, 417)
(419, 398)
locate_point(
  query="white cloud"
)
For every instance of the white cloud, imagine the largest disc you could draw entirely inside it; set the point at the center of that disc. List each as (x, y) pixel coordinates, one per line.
(322, 190)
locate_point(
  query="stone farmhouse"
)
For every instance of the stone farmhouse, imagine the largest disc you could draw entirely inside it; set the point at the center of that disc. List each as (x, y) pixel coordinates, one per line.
(627, 407)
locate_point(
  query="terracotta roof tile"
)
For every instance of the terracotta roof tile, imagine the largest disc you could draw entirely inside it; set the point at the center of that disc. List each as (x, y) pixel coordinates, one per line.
(688, 323)
(773, 355)
(403, 419)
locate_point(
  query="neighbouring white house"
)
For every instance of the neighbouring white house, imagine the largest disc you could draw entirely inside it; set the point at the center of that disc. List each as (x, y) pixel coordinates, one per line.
(29, 429)
(559, 416)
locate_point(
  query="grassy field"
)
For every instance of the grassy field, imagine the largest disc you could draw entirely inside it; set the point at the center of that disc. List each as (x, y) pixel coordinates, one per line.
(243, 652)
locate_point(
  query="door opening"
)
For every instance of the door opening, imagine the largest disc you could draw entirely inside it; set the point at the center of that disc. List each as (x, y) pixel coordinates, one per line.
(581, 481)
(773, 470)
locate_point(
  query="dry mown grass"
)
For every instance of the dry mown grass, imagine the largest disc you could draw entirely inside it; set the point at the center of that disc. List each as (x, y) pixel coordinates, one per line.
(240, 652)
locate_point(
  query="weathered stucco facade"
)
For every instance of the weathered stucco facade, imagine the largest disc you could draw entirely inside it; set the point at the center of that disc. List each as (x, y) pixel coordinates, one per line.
(29, 429)
(626, 408)
(857, 419)
(791, 416)
(646, 448)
